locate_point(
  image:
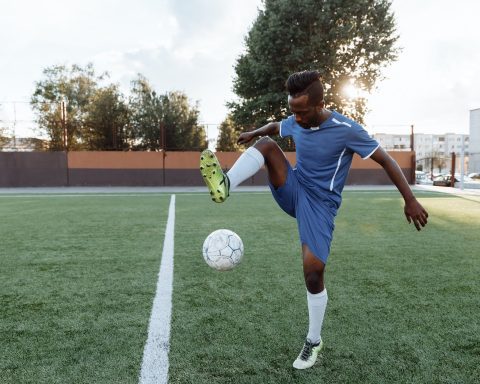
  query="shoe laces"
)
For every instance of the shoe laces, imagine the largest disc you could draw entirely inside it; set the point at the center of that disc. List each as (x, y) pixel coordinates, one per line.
(226, 180)
(307, 350)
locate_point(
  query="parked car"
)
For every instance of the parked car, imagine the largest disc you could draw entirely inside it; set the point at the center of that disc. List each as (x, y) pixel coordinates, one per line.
(466, 179)
(444, 181)
(474, 176)
(422, 178)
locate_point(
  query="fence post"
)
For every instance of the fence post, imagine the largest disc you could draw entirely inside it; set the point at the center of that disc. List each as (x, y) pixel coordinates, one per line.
(163, 143)
(452, 179)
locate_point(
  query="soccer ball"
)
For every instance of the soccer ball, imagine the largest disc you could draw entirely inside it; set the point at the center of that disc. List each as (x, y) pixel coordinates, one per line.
(223, 249)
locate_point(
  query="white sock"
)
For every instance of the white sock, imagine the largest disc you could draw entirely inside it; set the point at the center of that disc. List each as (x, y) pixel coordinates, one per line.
(317, 303)
(246, 166)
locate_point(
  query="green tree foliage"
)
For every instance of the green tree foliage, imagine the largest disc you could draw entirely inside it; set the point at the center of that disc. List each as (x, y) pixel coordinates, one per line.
(227, 136)
(347, 41)
(168, 116)
(3, 137)
(107, 121)
(181, 123)
(146, 115)
(73, 85)
(99, 118)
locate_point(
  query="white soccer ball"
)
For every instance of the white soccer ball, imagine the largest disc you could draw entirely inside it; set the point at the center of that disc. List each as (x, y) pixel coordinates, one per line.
(223, 249)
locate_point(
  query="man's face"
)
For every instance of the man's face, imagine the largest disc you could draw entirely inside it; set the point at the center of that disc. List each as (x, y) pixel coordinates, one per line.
(306, 115)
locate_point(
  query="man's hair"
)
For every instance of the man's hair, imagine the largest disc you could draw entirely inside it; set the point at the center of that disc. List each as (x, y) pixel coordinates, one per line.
(306, 83)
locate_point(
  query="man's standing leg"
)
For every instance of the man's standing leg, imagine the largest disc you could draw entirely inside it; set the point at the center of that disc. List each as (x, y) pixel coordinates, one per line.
(313, 269)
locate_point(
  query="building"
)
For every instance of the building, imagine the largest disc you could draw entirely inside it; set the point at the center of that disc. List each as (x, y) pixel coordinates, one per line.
(474, 141)
(23, 144)
(433, 152)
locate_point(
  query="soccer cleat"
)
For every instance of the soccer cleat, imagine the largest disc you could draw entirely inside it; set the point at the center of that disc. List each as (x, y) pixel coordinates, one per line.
(217, 181)
(308, 355)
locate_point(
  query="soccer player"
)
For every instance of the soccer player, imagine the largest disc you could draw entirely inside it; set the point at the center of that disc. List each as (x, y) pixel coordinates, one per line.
(325, 142)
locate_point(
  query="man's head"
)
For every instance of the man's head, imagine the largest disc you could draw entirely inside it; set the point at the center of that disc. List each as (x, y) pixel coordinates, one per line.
(306, 98)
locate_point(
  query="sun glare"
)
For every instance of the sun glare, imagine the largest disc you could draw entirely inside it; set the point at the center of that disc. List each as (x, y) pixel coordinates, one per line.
(350, 91)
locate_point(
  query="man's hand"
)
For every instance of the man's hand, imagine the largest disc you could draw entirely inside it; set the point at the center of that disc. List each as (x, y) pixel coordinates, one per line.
(245, 137)
(416, 213)
(413, 209)
(269, 129)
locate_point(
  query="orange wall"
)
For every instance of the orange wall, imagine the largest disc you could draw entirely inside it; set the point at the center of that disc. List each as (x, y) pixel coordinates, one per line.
(42, 169)
(189, 160)
(404, 160)
(115, 160)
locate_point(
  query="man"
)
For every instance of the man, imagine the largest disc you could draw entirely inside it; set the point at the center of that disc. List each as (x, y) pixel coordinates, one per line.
(325, 143)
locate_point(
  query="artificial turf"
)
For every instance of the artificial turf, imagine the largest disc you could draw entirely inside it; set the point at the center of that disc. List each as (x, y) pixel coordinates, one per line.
(78, 276)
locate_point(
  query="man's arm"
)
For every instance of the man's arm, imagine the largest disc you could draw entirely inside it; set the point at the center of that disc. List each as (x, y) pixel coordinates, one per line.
(413, 209)
(267, 130)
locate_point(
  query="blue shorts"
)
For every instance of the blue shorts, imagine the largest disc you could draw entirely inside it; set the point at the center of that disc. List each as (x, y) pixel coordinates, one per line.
(314, 212)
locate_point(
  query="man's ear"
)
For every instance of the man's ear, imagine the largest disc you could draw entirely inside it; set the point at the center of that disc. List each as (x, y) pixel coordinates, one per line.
(320, 105)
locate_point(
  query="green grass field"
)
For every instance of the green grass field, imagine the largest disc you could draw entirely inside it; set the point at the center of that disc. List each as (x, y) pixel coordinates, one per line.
(78, 276)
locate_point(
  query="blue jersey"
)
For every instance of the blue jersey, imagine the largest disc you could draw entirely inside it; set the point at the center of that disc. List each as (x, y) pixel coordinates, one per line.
(324, 153)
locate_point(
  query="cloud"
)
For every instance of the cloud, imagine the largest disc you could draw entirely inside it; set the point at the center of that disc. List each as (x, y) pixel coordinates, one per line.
(178, 45)
(192, 46)
(435, 81)
(203, 45)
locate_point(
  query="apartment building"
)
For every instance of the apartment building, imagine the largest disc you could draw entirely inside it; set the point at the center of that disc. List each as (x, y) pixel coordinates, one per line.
(475, 140)
(433, 152)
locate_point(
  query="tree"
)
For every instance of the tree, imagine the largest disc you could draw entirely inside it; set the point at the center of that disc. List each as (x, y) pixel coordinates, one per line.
(107, 120)
(146, 115)
(35, 143)
(227, 136)
(74, 86)
(171, 112)
(4, 139)
(438, 160)
(347, 41)
(183, 131)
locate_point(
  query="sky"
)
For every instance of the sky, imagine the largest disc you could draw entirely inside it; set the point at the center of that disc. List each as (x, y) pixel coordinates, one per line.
(192, 46)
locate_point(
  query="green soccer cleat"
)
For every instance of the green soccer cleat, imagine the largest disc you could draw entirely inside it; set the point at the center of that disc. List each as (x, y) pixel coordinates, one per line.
(217, 181)
(308, 355)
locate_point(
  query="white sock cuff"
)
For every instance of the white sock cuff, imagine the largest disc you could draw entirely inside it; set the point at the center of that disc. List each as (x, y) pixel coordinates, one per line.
(255, 154)
(317, 296)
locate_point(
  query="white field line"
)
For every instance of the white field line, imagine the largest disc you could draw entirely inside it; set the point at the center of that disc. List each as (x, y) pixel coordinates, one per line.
(155, 355)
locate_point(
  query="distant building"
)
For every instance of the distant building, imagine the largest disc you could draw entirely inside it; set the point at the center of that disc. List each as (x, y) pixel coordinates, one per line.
(392, 142)
(474, 140)
(23, 144)
(433, 152)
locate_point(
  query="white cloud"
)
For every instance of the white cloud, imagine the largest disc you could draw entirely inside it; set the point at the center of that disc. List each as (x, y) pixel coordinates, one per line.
(178, 45)
(192, 46)
(435, 81)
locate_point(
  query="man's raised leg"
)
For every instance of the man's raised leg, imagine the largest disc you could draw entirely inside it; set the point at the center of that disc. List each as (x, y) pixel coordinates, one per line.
(264, 152)
(217, 182)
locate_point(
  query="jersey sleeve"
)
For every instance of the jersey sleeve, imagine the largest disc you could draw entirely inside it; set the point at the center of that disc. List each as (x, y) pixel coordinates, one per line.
(361, 143)
(286, 126)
